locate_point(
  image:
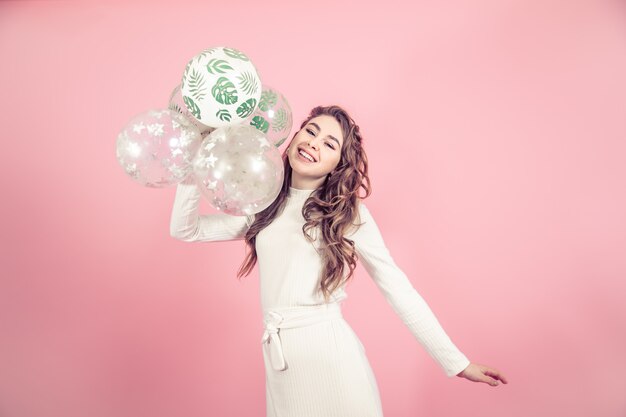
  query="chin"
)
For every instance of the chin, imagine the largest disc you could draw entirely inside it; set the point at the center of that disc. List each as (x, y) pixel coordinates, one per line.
(306, 173)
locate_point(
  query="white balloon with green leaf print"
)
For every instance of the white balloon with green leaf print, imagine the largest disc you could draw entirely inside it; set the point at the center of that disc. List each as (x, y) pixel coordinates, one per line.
(221, 86)
(272, 116)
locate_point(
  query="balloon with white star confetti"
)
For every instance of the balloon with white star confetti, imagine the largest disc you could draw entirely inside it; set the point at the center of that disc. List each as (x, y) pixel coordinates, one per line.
(220, 86)
(238, 170)
(272, 116)
(157, 147)
(176, 103)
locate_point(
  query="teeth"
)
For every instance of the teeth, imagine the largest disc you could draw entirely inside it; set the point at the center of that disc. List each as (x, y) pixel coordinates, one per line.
(306, 155)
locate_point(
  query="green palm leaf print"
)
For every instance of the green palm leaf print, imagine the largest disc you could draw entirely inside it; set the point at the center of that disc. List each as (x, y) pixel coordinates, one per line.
(175, 107)
(204, 53)
(218, 66)
(248, 83)
(197, 86)
(233, 53)
(224, 91)
(280, 142)
(280, 120)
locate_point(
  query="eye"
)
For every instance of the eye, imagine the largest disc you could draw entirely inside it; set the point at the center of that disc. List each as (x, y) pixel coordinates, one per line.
(311, 132)
(330, 146)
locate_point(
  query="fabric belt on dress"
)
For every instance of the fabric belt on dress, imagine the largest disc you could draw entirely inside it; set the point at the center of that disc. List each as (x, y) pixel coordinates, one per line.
(288, 318)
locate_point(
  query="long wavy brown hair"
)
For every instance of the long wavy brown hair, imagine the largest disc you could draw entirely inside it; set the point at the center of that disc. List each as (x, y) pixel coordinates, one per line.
(331, 209)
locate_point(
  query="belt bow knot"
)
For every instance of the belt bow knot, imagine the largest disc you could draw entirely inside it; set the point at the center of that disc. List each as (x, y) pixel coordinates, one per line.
(289, 318)
(271, 339)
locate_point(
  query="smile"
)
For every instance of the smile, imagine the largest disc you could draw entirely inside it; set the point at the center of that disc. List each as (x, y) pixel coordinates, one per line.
(305, 156)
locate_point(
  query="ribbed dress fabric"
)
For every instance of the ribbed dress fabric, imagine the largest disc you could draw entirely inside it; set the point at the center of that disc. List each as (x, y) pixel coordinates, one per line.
(328, 373)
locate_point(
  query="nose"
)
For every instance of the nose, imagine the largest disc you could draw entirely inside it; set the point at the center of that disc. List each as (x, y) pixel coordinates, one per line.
(313, 144)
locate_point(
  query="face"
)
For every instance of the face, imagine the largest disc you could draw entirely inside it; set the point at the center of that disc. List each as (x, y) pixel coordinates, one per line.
(322, 139)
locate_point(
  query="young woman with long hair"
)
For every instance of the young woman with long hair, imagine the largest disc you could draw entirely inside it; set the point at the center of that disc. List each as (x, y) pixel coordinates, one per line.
(307, 243)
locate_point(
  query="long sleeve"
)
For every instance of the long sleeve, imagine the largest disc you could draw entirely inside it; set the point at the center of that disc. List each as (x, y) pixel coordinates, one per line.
(403, 297)
(187, 225)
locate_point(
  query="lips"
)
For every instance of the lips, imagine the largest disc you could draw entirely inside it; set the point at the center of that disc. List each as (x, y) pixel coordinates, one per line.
(308, 153)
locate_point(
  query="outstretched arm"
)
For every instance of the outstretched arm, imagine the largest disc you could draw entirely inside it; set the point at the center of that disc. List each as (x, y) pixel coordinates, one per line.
(403, 298)
(187, 225)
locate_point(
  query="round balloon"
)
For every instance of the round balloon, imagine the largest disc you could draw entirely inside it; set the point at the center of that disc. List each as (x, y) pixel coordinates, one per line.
(238, 170)
(220, 86)
(156, 148)
(272, 116)
(176, 103)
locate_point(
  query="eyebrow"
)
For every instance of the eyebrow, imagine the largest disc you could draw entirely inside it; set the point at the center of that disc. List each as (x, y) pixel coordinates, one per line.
(330, 136)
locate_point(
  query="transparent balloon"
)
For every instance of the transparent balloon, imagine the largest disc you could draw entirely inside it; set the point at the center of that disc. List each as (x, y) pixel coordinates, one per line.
(176, 103)
(238, 170)
(272, 116)
(157, 147)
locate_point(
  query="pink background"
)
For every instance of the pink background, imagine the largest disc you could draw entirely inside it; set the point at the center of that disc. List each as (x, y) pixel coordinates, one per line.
(495, 132)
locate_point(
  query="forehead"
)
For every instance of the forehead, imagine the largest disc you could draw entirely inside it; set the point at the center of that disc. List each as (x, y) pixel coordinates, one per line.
(328, 126)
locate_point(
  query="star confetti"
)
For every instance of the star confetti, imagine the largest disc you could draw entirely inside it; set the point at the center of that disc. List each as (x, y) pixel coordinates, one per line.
(210, 160)
(138, 128)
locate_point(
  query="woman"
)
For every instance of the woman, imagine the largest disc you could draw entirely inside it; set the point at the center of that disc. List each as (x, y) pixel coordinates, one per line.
(317, 226)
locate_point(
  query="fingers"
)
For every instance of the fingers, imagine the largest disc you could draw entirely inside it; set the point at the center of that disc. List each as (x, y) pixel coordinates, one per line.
(490, 381)
(496, 374)
(493, 376)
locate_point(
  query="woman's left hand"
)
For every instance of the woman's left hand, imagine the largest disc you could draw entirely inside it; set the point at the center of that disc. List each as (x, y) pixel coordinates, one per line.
(481, 373)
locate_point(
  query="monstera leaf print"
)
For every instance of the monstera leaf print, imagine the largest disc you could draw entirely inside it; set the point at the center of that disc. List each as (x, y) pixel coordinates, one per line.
(192, 107)
(223, 115)
(268, 100)
(260, 123)
(246, 108)
(224, 91)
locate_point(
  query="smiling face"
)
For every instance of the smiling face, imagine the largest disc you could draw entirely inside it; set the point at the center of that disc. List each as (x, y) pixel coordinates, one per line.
(322, 139)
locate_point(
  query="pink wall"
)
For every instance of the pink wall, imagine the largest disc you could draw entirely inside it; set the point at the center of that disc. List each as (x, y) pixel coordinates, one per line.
(495, 132)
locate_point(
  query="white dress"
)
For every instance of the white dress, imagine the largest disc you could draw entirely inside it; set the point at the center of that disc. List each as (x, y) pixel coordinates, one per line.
(325, 371)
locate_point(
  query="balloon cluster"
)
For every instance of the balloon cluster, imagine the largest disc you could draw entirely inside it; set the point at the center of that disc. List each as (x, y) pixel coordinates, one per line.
(221, 125)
